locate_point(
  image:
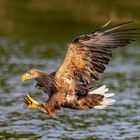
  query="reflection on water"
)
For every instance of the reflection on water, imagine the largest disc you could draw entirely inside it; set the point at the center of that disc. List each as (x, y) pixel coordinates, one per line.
(30, 40)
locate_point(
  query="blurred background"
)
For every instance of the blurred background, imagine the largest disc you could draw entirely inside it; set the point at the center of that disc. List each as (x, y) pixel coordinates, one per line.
(34, 34)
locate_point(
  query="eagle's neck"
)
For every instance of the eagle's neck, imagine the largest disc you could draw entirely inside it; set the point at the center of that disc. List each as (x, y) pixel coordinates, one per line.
(46, 83)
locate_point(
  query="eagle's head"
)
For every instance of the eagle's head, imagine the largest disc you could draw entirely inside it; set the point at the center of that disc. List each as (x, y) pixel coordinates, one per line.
(32, 74)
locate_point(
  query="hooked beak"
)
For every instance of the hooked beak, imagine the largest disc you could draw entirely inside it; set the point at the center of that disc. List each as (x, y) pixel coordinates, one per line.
(26, 76)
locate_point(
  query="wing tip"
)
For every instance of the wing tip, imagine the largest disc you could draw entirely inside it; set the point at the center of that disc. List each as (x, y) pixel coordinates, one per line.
(119, 26)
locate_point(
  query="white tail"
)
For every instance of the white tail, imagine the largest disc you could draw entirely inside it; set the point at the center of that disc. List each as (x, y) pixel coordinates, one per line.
(107, 100)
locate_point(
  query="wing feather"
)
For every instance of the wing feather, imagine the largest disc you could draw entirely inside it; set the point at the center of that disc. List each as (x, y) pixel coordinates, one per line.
(87, 56)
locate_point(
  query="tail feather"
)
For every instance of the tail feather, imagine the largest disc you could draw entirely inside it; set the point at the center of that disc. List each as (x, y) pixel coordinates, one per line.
(100, 90)
(106, 100)
(109, 95)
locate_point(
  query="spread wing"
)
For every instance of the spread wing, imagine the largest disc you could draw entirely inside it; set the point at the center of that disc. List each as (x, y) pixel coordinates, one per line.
(87, 57)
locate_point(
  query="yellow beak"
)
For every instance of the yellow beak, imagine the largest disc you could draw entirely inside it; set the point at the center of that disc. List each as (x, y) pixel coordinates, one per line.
(26, 76)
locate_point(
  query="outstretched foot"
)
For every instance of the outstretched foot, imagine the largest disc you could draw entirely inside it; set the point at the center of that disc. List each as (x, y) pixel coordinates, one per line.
(30, 102)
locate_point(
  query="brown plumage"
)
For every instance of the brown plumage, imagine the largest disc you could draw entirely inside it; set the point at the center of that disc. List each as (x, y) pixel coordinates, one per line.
(85, 61)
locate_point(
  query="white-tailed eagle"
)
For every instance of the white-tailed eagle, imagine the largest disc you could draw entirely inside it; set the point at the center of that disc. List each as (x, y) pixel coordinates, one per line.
(71, 85)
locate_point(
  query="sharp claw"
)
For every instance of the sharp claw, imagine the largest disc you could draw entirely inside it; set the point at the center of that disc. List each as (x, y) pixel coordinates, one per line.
(31, 103)
(26, 100)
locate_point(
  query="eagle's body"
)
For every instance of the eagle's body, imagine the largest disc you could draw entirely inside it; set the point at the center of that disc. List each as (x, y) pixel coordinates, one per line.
(70, 86)
(87, 101)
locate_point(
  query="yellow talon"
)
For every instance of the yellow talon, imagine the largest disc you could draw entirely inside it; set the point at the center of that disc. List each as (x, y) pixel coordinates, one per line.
(30, 102)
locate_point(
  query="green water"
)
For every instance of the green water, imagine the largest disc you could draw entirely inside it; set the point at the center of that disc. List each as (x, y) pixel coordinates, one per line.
(34, 34)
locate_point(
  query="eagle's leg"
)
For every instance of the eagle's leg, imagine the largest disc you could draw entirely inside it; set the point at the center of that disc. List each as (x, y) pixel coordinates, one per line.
(32, 104)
